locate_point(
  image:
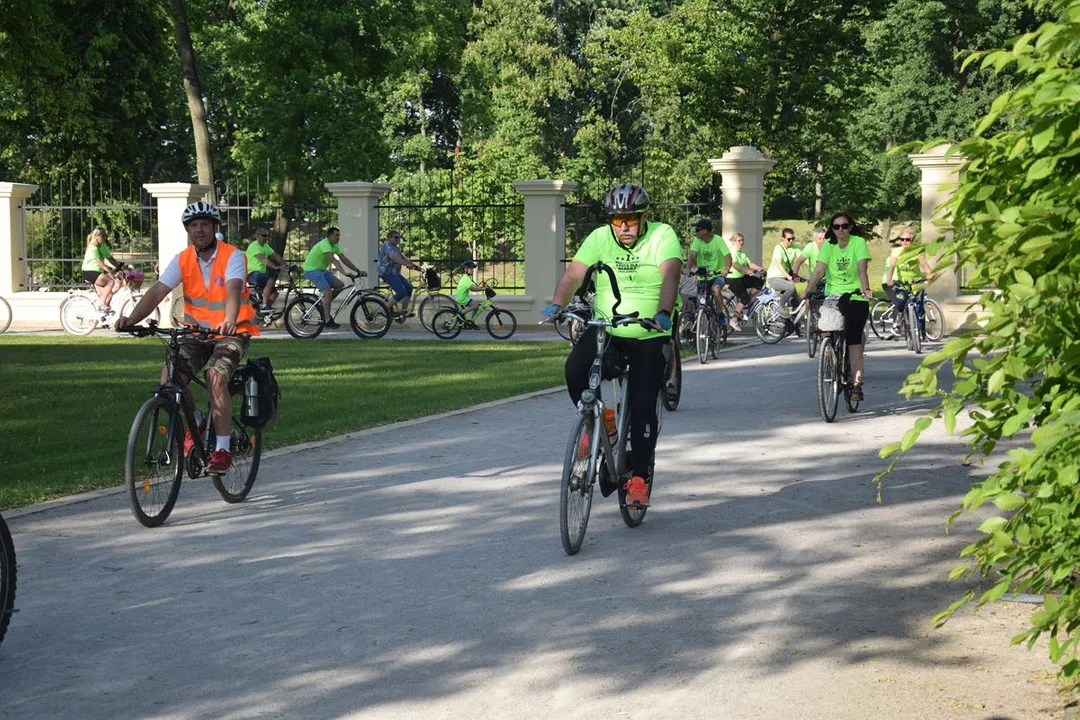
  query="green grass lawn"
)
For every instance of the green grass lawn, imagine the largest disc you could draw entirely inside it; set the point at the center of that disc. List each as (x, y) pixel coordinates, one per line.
(67, 403)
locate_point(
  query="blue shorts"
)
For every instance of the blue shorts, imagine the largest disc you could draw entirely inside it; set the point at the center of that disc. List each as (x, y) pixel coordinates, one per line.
(258, 279)
(718, 281)
(323, 279)
(402, 288)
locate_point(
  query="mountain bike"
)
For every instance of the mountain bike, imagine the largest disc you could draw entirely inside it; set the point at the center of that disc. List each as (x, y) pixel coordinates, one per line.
(592, 456)
(5, 315)
(370, 316)
(7, 577)
(500, 323)
(156, 454)
(834, 376)
(81, 313)
(710, 329)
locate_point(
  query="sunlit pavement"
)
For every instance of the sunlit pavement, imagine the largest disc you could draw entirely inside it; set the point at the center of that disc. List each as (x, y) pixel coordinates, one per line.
(417, 572)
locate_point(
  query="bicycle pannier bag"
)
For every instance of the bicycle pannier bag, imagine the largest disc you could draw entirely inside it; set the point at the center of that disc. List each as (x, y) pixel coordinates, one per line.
(265, 407)
(830, 319)
(434, 282)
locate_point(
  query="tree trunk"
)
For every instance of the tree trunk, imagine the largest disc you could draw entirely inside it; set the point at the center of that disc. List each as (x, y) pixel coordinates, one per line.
(204, 162)
(284, 218)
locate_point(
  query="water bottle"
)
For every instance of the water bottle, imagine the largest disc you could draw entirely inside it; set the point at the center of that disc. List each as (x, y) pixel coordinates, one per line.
(251, 397)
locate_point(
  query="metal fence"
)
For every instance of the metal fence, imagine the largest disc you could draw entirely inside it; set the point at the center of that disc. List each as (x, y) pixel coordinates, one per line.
(60, 217)
(444, 219)
(246, 205)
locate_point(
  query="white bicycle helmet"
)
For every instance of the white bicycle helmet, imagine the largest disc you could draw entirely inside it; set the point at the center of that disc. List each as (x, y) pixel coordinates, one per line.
(198, 210)
(626, 198)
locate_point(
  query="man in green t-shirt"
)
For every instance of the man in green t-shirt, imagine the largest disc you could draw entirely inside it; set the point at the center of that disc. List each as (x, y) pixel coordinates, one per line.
(317, 270)
(261, 261)
(646, 257)
(780, 275)
(808, 255)
(709, 251)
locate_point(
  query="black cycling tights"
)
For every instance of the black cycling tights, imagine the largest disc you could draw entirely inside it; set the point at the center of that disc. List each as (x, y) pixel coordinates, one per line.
(646, 377)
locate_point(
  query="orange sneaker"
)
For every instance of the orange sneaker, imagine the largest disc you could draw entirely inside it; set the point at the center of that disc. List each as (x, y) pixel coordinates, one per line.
(637, 492)
(609, 418)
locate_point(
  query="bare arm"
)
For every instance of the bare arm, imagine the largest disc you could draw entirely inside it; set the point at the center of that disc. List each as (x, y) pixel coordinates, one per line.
(864, 281)
(233, 288)
(569, 282)
(670, 270)
(150, 300)
(340, 261)
(691, 262)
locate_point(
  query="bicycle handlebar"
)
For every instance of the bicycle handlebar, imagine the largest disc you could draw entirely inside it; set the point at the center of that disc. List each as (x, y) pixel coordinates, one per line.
(151, 328)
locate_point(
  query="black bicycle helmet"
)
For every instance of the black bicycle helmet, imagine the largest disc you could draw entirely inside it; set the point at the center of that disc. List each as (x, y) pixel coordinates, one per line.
(466, 265)
(625, 199)
(198, 210)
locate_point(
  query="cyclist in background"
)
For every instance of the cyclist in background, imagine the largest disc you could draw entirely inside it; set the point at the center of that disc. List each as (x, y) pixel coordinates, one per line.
(261, 259)
(781, 273)
(741, 278)
(390, 261)
(710, 252)
(465, 287)
(317, 269)
(808, 255)
(911, 269)
(647, 259)
(843, 262)
(213, 274)
(101, 268)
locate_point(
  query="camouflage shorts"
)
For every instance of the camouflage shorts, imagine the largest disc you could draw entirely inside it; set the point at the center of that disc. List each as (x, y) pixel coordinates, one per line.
(221, 354)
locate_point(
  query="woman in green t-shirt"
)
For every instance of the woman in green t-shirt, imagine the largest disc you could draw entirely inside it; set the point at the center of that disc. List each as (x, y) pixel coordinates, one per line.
(99, 267)
(843, 260)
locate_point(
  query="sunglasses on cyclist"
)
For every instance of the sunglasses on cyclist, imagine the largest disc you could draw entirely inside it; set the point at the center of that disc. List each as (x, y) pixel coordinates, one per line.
(630, 221)
(903, 239)
(841, 226)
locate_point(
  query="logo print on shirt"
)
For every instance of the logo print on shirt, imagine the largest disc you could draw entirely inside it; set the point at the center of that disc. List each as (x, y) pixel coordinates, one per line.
(218, 281)
(843, 263)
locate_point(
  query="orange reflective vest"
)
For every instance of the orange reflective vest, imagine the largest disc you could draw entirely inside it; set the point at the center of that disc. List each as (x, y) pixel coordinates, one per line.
(205, 307)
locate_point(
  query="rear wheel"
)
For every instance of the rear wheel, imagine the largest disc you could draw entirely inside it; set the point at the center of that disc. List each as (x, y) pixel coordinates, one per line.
(703, 335)
(576, 494)
(672, 390)
(913, 328)
(154, 465)
(501, 324)
(633, 516)
(7, 577)
(430, 307)
(370, 317)
(129, 305)
(304, 317)
(446, 324)
(878, 311)
(5, 315)
(714, 338)
(828, 381)
(686, 335)
(78, 315)
(935, 320)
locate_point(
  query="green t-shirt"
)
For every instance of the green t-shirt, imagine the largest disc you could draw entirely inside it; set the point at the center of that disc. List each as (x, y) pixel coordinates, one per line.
(740, 257)
(784, 257)
(254, 250)
(463, 293)
(842, 266)
(93, 254)
(711, 254)
(889, 260)
(810, 252)
(907, 269)
(316, 258)
(637, 270)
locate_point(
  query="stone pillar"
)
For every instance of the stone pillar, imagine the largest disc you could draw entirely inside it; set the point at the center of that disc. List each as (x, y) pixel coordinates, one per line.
(358, 218)
(13, 236)
(171, 199)
(939, 177)
(545, 238)
(742, 176)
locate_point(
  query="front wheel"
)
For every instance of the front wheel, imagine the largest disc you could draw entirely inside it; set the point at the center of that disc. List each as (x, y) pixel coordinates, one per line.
(447, 324)
(7, 577)
(245, 446)
(576, 493)
(430, 307)
(304, 317)
(370, 317)
(501, 324)
(703, 335)
(813, 335)
(934, 318)
(154, 464)
(78, 315)
(5, 315)
(913, 328)
(828, 380)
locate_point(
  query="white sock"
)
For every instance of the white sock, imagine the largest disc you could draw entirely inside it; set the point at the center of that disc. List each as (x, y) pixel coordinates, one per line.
(223, 442)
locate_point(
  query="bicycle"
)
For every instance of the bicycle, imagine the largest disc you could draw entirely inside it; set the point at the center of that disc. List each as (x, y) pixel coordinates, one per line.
(500, 323)
(8, 577)
(5, 315)
(771, 326)
(834, 374)
(572, 330)
(884, 324)
(434, 301)
(710, 328)
(156, 457)
(592, 456)
(81, 314)
(370, 316)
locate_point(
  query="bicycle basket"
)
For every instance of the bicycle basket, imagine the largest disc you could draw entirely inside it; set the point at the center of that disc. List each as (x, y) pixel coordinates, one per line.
(434, 282)
(830, 318)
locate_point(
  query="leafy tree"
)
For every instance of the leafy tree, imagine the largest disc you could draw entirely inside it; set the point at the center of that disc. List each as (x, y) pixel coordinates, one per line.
(1016, 218)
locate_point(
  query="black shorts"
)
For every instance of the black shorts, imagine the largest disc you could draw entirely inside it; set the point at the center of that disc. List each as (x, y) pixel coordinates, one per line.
(91, 276)
(855, 311)
(741, 286)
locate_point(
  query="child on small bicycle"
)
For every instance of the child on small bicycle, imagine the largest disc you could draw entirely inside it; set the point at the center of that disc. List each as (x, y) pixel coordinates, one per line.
(465, 287)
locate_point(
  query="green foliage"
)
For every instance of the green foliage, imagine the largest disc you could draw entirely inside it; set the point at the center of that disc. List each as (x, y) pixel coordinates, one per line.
(1015, 216)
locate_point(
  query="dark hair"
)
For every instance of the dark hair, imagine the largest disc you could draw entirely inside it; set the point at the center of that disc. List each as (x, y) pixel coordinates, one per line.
(785, 231)
(831, 236)
(393, 234)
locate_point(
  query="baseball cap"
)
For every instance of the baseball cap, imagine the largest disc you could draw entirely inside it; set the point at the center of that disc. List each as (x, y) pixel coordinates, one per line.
(703, 224)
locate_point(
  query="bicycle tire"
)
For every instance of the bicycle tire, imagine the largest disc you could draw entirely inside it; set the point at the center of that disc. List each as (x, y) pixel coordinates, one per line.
(913, 328)
(245, 446)
(370, 317)
(877, 313)
(153, 483)
(768, 325)
(430, 307)
(687, 328)
(578, 482)
(500, 323)
(447, 324)
(714, 339)
(702, 336)
(852, 404)
(130, 304)
(813, 335)
(672, 393)
(78, 316)
(634, 516)
(304, 317)
(827, 381)
(934, 317)
(8, 577)
(5, 315)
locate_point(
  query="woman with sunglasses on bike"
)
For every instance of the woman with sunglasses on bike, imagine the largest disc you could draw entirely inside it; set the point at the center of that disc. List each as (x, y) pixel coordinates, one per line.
(842, 261)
